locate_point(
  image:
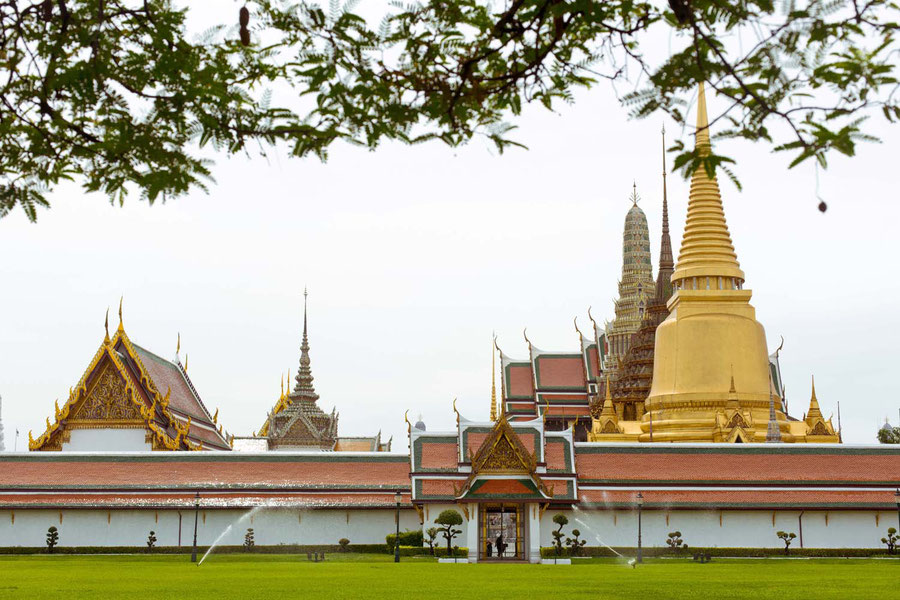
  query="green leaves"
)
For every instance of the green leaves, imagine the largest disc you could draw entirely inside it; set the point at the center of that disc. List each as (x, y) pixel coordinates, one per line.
(122, 101)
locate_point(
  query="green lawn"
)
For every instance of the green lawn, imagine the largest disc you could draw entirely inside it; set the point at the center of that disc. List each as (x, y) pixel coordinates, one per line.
(369, 576)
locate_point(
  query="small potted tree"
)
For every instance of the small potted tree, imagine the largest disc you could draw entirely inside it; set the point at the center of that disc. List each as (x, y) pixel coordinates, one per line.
(448, 519)
(52, 539)
(787, 538)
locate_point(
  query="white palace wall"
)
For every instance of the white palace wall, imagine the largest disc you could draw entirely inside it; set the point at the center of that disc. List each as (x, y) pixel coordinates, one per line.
(271, 526)
(618, 528)
(725, 528)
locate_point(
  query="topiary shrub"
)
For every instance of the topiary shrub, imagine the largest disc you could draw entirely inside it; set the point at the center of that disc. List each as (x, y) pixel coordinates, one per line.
(891, 540)
(432, 535)
(249, 540)
(448, 519)
(675, 542)
(575, 544)
(151, 541)
(787, 538)
(411, 538)
(52, 539)
(562, 521)
(344, 543)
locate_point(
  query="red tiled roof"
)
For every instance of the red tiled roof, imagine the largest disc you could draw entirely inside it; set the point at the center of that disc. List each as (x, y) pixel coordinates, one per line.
(437, 455)
(718, 464)
(502, 487)
(555, 455)
(208, 500)
(739, 498)
(520, 384)
(560, 371)
(440, 487)
(168, 376)
(201, 470)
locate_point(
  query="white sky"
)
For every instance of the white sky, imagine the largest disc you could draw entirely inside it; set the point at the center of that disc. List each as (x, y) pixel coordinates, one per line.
(413, 255)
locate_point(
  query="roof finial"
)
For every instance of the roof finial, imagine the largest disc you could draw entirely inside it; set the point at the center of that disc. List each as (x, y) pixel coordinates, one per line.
(493, 377)
(106, 325)
(634, 195)
(185, 362)
(814, 388)
(121, 325)
(304, 376)
(732, 390)
(178, 345)
(702, 139)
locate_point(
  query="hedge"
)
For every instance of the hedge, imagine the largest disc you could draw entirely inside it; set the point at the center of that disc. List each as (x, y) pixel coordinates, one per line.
(412, 538)
(603, 551)
(257, 549)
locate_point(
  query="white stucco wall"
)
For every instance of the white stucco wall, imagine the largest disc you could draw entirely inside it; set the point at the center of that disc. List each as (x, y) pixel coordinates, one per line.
(88, 527)
(107, 440)
(725, 528)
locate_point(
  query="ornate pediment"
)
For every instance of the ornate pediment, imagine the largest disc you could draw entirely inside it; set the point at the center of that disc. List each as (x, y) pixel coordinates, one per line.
(503, 452)
(109, 395)
(107, 401)
(737, 420)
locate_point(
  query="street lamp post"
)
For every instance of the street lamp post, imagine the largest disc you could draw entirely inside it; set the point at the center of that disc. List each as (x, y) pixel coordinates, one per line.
(196, 514)
(397, 499)
(640, 505)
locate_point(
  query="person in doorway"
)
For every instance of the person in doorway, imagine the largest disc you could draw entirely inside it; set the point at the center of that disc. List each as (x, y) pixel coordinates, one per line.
(490, 549)
(501, 547)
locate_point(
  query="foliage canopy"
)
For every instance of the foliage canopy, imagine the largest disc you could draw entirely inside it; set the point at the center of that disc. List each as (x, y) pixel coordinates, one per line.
(120, 95)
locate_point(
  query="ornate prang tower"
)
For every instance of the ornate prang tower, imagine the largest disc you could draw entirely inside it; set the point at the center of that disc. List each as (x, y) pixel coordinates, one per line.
(635, 287)
(711, 333)
(632, 385)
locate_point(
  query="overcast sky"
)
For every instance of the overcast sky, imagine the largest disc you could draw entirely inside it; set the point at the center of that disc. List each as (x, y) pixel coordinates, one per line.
(414, 255)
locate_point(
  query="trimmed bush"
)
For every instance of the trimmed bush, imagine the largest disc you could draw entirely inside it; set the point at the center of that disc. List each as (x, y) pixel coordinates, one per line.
(455, 552)
(344, 543)
(410, 537)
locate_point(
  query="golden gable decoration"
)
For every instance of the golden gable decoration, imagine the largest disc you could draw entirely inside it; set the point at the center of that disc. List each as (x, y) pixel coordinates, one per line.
(114, 401)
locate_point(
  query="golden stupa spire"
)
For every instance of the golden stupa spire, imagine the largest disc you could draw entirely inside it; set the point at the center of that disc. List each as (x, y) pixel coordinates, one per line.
(706, 248)
(814, 411)
(493, 380)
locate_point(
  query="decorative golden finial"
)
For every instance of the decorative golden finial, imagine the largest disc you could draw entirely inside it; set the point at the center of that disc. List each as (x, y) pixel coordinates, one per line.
(608, 391)
(456, 412)
(106, 325)
(408, 424)
(185, 362)
(525, 334)
(121, 324)
(178, 345)
(216, 417)
(281, 395)
(814, 388)
(493, 377)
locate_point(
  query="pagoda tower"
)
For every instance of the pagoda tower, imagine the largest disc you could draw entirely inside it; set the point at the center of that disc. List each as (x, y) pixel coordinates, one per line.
(711, 379)
(632, 385)
(635, 287)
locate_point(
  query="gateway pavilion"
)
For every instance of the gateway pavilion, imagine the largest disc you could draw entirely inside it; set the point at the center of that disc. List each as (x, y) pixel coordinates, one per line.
(579, 433)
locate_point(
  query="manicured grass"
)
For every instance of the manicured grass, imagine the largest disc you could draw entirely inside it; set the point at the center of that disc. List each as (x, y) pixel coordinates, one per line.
(242, 577)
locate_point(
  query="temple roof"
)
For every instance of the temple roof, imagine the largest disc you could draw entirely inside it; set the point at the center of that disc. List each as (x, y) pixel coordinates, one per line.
(140, 389)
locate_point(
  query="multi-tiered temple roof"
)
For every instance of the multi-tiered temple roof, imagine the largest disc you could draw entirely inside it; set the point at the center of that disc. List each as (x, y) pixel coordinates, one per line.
(127, 387)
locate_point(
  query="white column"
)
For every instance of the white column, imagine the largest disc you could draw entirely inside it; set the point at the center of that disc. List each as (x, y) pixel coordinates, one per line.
(534, 533)
(472, 533)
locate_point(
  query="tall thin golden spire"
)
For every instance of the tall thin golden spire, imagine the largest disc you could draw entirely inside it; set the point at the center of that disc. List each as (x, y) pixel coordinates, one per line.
(814, 410)
(493, 380)
(706, 248)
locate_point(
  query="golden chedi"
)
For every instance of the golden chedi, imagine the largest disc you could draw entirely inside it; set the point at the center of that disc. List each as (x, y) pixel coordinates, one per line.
(711, 379)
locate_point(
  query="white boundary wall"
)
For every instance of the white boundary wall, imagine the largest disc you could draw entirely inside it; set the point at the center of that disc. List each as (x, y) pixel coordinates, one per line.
(712, 528)
(93, 527)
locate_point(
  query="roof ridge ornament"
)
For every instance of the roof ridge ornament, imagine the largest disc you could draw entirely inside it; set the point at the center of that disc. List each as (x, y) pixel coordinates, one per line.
(121, 322)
